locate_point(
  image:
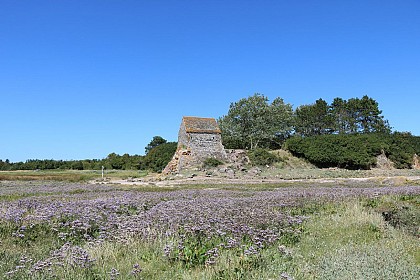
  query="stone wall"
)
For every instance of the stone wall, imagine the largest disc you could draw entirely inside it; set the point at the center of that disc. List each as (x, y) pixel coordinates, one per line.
(183, 138)
(416, 161)
(194, 148)
(205, 145)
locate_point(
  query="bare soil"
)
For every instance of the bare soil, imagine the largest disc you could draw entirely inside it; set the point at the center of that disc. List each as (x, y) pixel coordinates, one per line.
(200, 179)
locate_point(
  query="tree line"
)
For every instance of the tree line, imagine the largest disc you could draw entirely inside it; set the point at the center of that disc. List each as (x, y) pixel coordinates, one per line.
(346, 133)
(158, 154)
(255, 122)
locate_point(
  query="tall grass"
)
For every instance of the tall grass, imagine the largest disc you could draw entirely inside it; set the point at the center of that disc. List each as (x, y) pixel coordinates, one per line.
(355, 243)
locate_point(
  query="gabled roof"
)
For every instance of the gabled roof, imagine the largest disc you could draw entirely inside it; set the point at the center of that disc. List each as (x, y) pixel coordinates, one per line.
(201, 125)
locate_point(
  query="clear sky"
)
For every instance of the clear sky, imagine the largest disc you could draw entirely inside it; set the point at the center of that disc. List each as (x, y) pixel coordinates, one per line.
(82, 79)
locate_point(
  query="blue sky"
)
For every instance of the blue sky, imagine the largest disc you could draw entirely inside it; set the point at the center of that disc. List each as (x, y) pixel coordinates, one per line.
(82, 79)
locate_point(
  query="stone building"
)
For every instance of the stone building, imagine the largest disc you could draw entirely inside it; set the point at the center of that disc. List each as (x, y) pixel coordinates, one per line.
(198, 139)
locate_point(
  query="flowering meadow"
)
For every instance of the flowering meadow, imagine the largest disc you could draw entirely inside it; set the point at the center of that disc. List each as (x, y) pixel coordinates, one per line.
(57, 230)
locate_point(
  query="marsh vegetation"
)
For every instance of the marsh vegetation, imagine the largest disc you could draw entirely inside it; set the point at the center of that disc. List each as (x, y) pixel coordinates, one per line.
(62, 230)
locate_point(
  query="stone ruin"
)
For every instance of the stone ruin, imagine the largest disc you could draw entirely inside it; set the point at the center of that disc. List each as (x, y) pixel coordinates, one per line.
(198, 139)
(416, 161)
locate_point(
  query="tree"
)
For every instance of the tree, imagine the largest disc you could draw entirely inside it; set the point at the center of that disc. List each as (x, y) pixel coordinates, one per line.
(252, 122)
(77, 165)
(115, 161)
(156, 141)
(158, 157)
(340, 115)
(358, 116)
(5, 165)
(370, 119)
(281, 118)
(313, 119)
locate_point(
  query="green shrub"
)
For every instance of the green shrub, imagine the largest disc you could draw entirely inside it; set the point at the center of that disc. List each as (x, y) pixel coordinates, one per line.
(193, 249)
(355, 151)
(402, 147)
(158, 157)
(212, 162)
(261, 157)
(402, 212)
(407, 218)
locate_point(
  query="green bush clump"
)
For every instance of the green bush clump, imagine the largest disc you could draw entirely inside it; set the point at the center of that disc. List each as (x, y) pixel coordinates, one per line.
(158, 157)
(193, 249)
(355, 151)
(406, 217)
(262, 157)
(402, 147)
(212, 162)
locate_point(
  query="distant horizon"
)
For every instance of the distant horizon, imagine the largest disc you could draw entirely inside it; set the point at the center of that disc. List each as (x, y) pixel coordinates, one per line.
(83, 79)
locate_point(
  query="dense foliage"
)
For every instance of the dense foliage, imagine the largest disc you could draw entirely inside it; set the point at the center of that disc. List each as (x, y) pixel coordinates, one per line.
(341, 117)
(313, 119)
(159, 153)
(156, 141)
(253, 122)
(355, 151)
(158, 157)
(346, 133)
(35, 164)
(112, 161)
(262, 157)
(402, 147)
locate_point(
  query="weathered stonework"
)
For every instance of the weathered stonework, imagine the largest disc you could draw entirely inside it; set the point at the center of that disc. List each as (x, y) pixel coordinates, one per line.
(198, 139)
(416, 161)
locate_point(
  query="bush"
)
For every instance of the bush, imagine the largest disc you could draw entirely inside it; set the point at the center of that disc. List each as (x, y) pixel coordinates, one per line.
(402, 147)
(212, 162)
(355, 151)
(77, 165)
(261, 157)
(347, 151)
(158, 157)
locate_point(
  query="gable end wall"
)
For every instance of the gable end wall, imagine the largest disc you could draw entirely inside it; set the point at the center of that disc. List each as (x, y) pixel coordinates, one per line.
(205, 145)
(182, 137)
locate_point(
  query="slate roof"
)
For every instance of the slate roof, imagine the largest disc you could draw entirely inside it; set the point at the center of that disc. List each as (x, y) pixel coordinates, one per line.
(201, 125)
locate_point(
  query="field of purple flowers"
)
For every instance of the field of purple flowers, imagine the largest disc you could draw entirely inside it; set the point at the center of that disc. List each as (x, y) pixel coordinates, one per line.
(57, 230)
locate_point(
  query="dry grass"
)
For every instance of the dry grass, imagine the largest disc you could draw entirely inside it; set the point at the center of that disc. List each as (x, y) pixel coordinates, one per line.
(67, 175)
(356, 243)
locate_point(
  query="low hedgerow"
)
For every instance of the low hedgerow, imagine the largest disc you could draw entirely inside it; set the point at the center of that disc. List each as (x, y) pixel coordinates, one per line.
(355, 151)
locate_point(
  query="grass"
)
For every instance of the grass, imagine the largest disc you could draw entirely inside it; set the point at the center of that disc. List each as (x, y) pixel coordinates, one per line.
(355, 243)
(293, 170)
(68, 175)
